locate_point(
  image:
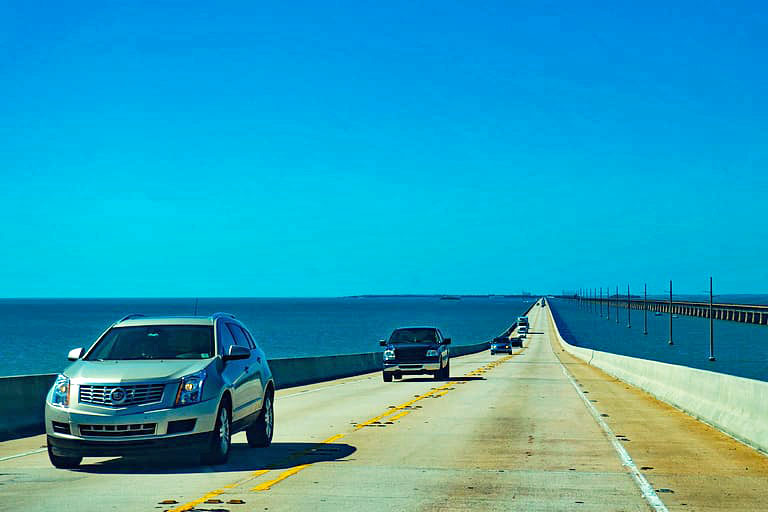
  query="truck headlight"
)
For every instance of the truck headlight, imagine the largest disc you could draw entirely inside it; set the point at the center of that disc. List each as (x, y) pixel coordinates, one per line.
(389, 354)
(60, 394)
(191, 388)
(431, 353)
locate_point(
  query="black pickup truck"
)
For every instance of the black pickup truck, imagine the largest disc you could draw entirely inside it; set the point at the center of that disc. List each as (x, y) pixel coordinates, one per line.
(414, 351)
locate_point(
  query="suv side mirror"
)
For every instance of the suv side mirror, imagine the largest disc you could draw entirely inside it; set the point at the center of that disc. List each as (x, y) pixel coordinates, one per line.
(446, 341)
(237, 352)
(383, 343)
(75, 354)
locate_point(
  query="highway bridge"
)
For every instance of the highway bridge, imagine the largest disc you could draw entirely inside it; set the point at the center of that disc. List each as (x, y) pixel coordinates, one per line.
(535, 430)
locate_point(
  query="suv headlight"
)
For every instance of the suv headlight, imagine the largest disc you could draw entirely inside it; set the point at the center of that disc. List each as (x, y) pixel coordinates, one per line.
(431, 353)
(191, 388)
(389, 354)
(60, 394)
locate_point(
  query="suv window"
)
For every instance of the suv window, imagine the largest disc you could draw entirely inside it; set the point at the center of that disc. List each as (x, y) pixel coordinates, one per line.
(225, 339)
(240, 338)
(418, 335)
(155, 342)
(250, 338)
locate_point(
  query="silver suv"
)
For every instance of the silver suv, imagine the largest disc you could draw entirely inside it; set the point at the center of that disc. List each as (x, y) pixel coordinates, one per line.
(151, 384)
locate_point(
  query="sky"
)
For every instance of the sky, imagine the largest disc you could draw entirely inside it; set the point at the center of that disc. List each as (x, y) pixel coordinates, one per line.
(169, 149)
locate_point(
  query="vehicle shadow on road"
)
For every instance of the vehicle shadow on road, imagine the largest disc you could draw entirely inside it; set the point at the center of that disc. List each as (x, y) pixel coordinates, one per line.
(241, 458)
(430, 379)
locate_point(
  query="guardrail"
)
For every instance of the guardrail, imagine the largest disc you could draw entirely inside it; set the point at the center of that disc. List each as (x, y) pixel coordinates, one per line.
(743, 313)
(734, 405)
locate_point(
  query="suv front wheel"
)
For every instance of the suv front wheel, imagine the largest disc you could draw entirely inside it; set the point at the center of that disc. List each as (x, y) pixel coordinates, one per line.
(63, 462)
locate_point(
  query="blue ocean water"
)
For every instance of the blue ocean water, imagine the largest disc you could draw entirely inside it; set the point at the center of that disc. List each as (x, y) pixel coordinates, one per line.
(740, 349)
(37, 333)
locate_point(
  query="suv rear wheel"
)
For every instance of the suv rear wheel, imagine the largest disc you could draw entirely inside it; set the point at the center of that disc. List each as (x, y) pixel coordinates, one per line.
(259, 434)
(221, 437)
(387, 376)
(63, 462)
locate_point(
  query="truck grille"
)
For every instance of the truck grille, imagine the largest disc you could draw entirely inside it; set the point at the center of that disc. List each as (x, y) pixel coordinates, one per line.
(137, 394)
(137, 429)
(406, 354)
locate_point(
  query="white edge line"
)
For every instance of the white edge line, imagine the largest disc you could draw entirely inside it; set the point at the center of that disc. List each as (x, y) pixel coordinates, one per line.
(31, 452)
(325, 387)
(647, 489)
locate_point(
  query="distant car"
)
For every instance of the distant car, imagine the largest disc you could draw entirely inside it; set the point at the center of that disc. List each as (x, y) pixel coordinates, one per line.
(150, 384)
(415, 351)
(522, 320)
(504, 344)
(522, 331)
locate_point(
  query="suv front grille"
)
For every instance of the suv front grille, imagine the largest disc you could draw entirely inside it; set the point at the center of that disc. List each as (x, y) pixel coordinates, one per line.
(137, 429)
(137, 394)
(407, 354)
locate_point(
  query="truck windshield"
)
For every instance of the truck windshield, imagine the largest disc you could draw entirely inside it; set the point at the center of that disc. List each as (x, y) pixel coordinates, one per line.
(155, 342)
(413, 336)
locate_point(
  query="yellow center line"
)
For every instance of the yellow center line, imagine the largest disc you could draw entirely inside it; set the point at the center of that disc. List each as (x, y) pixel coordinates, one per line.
(285, 474)
(398, 416)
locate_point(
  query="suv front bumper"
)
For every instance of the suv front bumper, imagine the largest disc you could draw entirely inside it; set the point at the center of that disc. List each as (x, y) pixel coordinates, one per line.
(190, 426)
(412, 368)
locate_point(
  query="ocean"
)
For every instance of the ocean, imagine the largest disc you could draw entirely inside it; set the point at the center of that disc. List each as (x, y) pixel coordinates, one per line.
(740, 349)
(37, 333)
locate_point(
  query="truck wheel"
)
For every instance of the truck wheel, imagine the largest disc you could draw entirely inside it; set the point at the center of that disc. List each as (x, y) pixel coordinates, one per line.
(218, 450)
(447, 370)
(387, 376)
(63, 462)
(259, 434)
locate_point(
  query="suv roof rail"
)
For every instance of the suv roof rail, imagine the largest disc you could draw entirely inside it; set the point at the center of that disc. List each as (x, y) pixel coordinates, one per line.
(220, 314)
(128, 317)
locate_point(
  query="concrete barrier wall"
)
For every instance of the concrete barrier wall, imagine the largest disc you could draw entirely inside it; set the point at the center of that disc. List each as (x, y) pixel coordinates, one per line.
(297, 371)
(22, 398)
(734, 405)
(22, 404)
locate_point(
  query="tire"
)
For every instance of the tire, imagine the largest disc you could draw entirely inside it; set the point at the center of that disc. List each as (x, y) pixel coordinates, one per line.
(398, 376)
(439, 371)
(493, 353)
(387, 376)
(260, 433)
(63, 462)
(221, 438)
(447, 370)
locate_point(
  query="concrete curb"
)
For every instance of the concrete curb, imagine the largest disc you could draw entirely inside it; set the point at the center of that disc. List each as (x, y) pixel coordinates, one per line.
(734, 405)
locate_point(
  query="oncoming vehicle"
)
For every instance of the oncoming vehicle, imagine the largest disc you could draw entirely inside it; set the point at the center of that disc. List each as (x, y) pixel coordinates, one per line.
(414, 351)
(501, 344)
(161, 383)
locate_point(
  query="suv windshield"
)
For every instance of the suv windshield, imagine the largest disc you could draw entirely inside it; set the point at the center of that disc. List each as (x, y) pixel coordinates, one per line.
(413, 336)
(155, 342)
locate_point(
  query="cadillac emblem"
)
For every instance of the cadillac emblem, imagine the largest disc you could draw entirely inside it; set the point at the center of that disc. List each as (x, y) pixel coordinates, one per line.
(117, 396)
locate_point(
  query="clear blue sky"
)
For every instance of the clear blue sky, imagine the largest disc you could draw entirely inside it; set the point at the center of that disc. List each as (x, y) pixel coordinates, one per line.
(334, 148)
